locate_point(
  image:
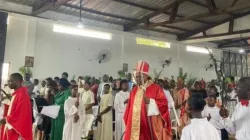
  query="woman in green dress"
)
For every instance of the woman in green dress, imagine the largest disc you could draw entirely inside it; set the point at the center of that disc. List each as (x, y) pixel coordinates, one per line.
(61, 96)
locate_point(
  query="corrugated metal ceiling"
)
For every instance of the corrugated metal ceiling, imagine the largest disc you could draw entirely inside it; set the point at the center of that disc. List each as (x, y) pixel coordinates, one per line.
(134, 13)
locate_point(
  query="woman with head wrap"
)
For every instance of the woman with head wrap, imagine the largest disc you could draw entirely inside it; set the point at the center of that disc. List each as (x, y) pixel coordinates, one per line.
(61, 96)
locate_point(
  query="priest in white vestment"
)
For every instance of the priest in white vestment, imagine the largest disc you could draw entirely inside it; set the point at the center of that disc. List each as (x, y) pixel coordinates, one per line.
(199, 128)
(120, 103)
(239, 123)
(74, 111)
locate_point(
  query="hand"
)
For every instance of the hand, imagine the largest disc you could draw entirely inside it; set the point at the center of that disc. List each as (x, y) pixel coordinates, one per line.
(77, 104)
(224, 113)
(209, 117)
(99, 99)
(126, 101)
(3, 121)
(146, 100)
(76, 118)
(99, 118)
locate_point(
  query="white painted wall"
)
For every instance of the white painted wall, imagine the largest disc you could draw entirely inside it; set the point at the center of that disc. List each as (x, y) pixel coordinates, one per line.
(55, 52)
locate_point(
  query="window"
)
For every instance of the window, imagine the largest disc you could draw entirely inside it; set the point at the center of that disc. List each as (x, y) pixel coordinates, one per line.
(198, 49)
(155, 43)
(5, 73)
(82, 32)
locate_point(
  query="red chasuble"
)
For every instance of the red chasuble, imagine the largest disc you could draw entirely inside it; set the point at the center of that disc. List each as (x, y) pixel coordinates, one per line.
(19, 116)
(6, 107)
(141, 127)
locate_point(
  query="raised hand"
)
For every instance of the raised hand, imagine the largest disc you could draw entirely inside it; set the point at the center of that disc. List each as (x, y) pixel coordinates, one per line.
(209, 117)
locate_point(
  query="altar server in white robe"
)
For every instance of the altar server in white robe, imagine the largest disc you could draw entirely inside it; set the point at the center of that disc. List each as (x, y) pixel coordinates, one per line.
(212, 113)
(104, 117)
(199, 128)
(121, 100)
(74, 111)
(239, 123)
(88, 98)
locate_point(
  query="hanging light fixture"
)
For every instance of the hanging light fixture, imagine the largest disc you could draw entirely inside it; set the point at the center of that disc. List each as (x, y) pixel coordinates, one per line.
(80, 24)
(241, 49)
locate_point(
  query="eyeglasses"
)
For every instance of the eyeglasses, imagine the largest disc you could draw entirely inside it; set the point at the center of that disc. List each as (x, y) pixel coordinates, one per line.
(9, 81)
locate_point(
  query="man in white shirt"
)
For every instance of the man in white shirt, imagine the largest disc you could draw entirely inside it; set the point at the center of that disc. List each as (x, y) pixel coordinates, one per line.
(211, 112)
(88, 98)
(36, 89)
(42, 89)
(239, 123)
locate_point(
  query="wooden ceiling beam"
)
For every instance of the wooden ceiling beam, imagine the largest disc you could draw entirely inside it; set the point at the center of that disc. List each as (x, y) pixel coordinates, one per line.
(174, 11)
(153, 9)
(184, 36)
(176, 28)
(198, 3)
(232, 42)
(49, 6)
(156, 30)
(220, 35)
(136, 5)
(159, 11)
(211, 6)
(121, 17)
(234, 2)
(99, 13)
(231, 26)
(204, 33)
(205, 15)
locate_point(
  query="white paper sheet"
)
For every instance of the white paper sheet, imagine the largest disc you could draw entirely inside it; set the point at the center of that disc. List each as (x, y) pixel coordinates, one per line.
(51, 111)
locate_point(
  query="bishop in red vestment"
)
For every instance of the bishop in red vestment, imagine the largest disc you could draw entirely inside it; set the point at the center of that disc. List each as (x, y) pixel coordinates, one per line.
(147, 116)
(18, 122)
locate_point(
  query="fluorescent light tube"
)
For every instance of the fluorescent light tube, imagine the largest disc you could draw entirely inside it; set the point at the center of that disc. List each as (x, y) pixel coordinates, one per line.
(198, 49)
(82, 32)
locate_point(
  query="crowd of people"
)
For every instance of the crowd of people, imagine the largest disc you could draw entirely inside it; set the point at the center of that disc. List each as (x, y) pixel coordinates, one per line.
(135, 108)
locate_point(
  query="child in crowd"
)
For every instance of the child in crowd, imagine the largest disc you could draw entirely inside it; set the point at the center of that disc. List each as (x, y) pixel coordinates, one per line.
(199, 128)
(212, 112)
(104, 118)
(212, 90)
(74, 111)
